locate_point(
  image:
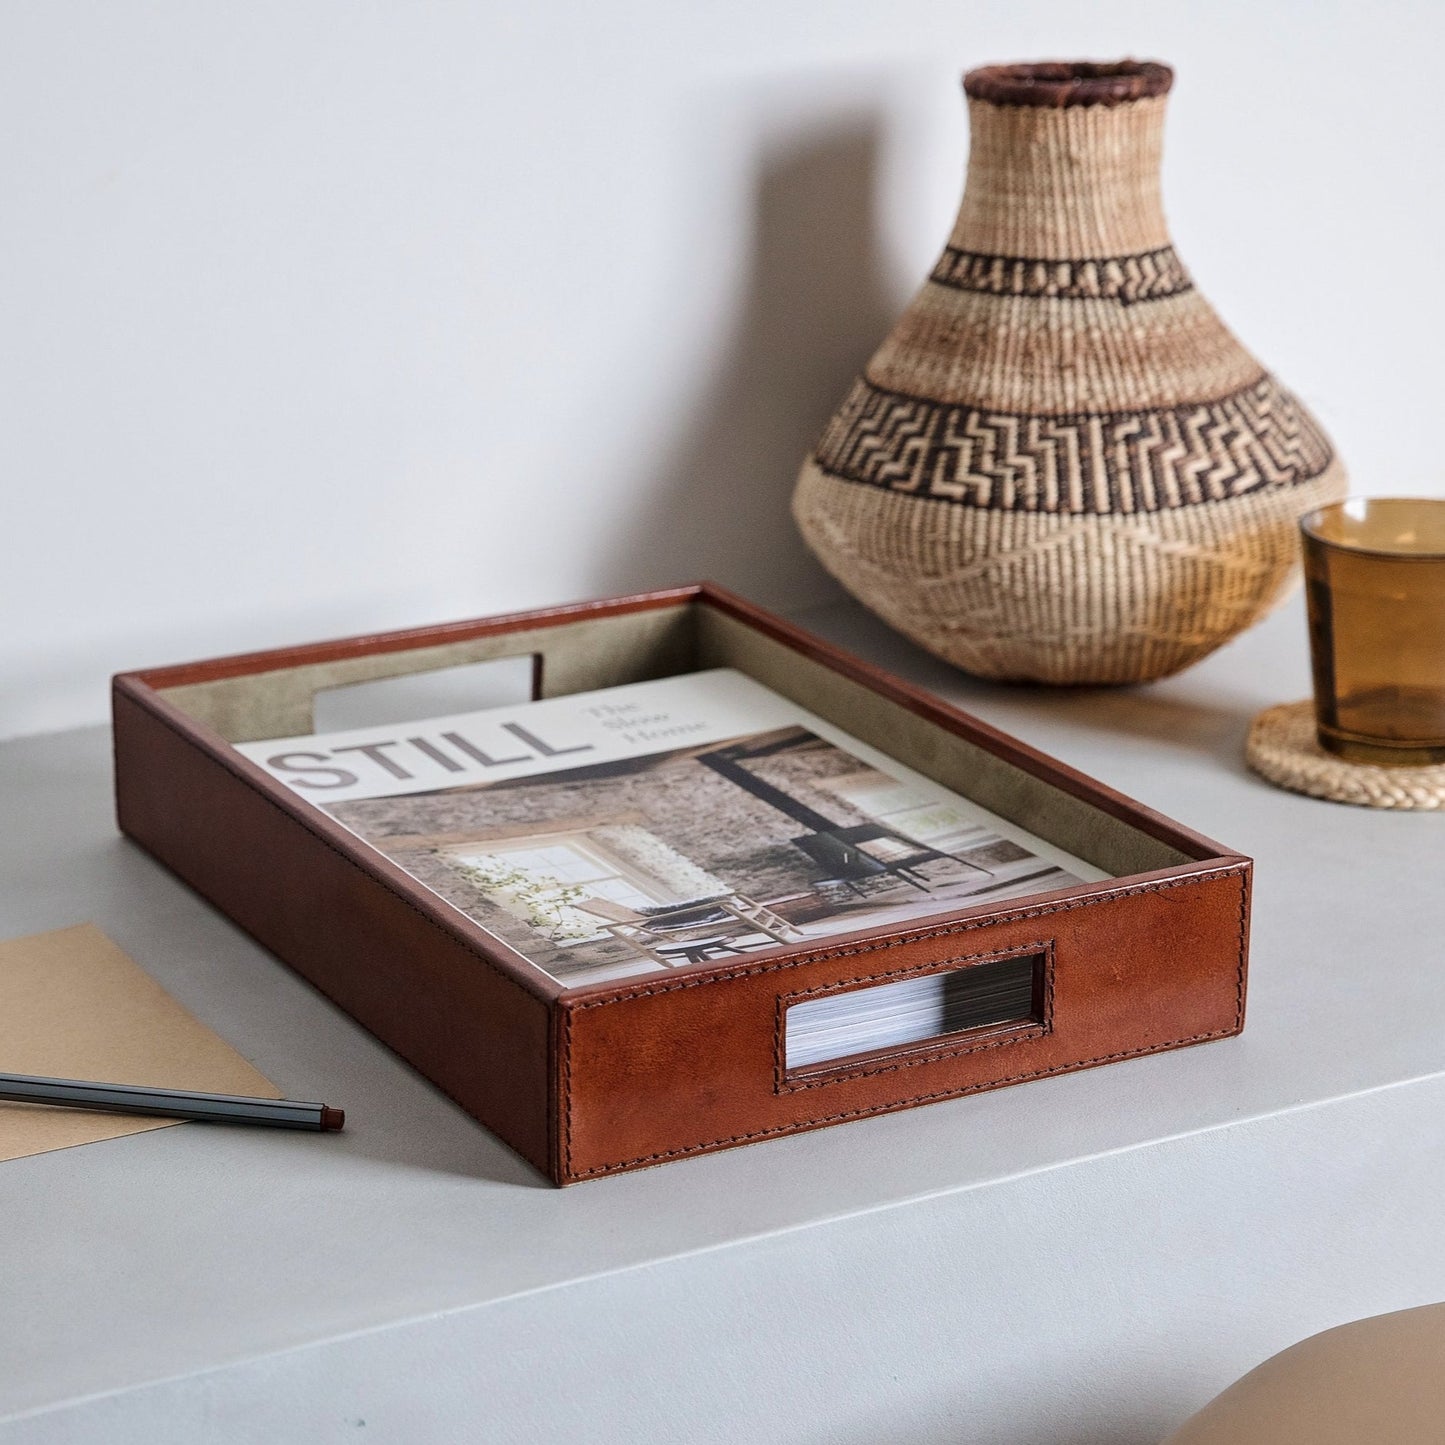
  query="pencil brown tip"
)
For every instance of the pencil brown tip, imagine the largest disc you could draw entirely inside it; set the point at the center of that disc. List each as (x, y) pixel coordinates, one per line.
(332, 1119)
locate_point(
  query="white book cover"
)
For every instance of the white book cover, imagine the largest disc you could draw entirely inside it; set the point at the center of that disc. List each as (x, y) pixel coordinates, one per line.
(633, 829)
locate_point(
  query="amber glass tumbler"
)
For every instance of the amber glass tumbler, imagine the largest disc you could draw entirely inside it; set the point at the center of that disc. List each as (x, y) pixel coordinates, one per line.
(1375, 579)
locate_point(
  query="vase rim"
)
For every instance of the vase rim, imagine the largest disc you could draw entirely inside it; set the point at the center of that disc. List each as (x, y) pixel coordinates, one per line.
(1056, 83)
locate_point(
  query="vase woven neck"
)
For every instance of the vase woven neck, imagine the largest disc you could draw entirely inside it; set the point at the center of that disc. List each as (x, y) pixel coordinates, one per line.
(1072, 182)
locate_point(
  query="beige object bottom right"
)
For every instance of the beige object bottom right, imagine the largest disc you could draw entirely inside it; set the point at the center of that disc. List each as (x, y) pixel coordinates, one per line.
(1040, 597)
(1376, 1380)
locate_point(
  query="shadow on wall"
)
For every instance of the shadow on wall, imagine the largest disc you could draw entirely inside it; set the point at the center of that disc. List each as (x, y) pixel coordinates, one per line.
(814, 309)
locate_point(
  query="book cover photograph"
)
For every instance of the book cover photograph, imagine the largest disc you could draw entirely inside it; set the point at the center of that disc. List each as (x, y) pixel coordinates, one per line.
(635, 829)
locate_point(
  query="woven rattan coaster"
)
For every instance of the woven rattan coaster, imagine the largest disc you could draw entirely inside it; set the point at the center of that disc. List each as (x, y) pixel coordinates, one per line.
(1283, 748)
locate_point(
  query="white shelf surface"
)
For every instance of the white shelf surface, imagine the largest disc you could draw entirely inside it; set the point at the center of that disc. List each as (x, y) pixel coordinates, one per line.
(1078, 1259)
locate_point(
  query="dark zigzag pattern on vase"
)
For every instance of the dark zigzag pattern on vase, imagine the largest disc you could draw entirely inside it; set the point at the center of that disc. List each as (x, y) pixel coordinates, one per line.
(1256, 439)
(1148, 276)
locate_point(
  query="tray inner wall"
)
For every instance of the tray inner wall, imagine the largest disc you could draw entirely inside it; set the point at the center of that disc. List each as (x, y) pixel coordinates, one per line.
(607, 651)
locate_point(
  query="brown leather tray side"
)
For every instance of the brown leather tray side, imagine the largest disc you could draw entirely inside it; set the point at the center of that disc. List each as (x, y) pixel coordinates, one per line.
(696, 1062)
(459, 1017)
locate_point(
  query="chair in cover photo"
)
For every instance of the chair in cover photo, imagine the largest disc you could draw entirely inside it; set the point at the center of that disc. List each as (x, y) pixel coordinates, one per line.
(847, 855)
(693, 930)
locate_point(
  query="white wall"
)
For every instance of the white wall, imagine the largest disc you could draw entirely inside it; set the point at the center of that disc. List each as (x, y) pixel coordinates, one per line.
(323, 315)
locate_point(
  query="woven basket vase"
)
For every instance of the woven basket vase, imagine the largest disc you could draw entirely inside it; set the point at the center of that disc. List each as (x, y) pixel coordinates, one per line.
(1061, 466)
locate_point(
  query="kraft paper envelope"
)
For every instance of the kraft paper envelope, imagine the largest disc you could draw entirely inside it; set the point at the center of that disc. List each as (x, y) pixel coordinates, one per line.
(73, 1006)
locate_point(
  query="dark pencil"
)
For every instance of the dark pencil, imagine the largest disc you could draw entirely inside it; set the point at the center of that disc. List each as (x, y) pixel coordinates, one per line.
(169, 1103)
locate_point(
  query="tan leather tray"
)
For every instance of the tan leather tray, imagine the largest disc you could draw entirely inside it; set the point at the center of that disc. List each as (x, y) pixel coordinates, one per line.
(589, 1080)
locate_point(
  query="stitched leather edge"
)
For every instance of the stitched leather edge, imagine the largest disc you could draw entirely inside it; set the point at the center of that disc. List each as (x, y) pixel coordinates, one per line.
(892, 1108)
(942, 930)
(1020, 1032)
(1240, 871)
